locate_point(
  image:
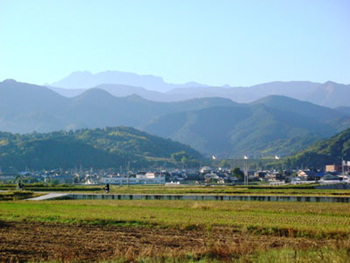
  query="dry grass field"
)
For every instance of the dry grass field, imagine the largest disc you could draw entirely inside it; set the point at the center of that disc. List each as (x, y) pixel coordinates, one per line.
(36, 241)
(173, 231)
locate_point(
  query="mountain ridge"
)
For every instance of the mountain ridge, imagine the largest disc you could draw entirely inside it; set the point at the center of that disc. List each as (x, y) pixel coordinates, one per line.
(212, 125)
(330, 94)
(255, 130)
(86, 79)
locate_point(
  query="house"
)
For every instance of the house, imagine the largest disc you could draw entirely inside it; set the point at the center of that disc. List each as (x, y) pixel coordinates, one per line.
(192, 176)
(276, 175)
(206, 169)
(64, 178)
(309, 175)
(315, 176)
(345, 179)
(344, 167)
(333, 168)
(212, 177)
(261, 174)
(330, 177)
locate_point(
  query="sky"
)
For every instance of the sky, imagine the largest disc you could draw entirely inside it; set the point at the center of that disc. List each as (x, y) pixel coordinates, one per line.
(216, 42)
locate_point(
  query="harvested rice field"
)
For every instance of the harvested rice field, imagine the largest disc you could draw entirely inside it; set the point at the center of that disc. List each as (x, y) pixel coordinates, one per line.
(173, 231)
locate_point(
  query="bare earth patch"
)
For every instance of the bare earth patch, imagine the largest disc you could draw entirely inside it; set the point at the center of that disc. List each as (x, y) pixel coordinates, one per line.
(35, 241)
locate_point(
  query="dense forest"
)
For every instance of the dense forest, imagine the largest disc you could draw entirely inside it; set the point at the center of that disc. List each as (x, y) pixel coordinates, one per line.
(330, 151)
(99, 148)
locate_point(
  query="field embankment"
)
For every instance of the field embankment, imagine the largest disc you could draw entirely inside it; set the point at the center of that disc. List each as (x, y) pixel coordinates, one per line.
(16, 195)
(302, 190)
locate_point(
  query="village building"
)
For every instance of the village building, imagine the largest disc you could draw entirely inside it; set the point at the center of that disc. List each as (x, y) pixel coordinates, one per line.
(333, 168)
(147, 178)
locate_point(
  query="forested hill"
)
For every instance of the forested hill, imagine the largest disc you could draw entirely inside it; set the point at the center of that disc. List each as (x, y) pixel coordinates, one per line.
(330, 151)
(274, 125)
(99, 148)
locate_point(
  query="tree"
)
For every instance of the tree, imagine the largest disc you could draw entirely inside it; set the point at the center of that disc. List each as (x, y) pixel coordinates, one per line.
(236, 172)
(225, 164)
(288, 163)
(184, 160)
(179, 156)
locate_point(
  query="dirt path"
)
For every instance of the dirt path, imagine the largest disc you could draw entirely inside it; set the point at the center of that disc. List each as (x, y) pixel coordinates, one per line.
(33, 241)
(48, 196)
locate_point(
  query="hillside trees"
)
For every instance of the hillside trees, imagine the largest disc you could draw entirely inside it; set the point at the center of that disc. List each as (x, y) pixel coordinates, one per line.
(99, 148)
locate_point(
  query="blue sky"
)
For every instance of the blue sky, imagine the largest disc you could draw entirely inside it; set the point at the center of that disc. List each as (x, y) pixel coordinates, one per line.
(239, 43)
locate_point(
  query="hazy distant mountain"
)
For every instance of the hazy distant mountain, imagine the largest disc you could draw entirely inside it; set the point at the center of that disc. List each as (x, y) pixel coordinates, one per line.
(85, 79)
(331, 94)
(98, 108)
(294, 89)
(117, 90)
(25, 108)
(345, 110)
(69, 93)
(124, 90)
(272, 125)
(22, 97)
(120, 84)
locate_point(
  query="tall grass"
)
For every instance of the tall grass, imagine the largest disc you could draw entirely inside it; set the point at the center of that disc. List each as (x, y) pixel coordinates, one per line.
(242, 254)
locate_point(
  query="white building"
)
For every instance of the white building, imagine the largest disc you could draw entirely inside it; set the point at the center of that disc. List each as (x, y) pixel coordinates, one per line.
(148, 178)
(206, 169)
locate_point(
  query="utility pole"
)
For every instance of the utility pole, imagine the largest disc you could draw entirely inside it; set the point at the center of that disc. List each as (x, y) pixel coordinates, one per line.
(128, 173)
(246, 177)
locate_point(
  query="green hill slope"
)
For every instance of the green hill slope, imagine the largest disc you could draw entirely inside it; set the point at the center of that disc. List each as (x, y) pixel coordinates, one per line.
(337, 119)
(99, 148)
(330, 151)
(255, 130)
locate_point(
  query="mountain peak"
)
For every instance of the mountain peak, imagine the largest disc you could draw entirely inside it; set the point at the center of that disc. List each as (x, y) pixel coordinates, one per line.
(96, 92)
(85, 79)
(9, 81)
(135, 98)
(329, 83)
(84, 72)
